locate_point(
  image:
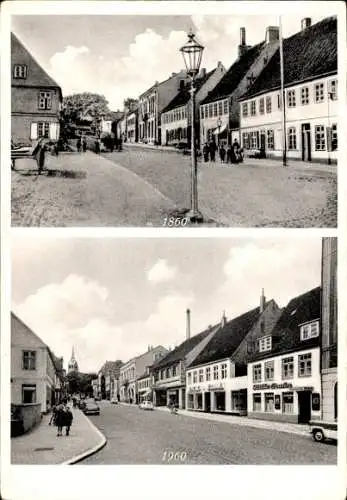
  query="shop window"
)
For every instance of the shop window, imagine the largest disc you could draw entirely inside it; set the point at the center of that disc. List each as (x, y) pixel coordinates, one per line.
(319, 138)
(291, 98)
(199, 401)
(220, 401)
(291, 138)
(28, 393)
(215, 372)
(288, 402)
(245, 109)
(334, 137)
(265, 344)
(29, 360)
(195, 377)
(269, 402)
(20, 71)
(190, 401)
(287, 368)
(226, 106)
(253, 108)
(270, 140)
(309, 330)
(268, 104)
(208, 374)
(257, 373)
(224, 370)
(305, 365)
(333, 90)
(319, 92)
(277, 402)
(254, 140)
(269, 370)
(257, 401)
(305, 96)
(201, 375)
(261, 106)
(315, 401)
(245, 140)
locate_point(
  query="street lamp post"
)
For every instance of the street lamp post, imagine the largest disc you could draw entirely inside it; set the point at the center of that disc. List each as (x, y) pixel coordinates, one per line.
(329, 135)
(192, 54)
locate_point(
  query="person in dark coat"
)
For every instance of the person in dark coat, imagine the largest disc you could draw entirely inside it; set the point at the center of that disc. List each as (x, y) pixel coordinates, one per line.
(60, 420)
(40, 158)
(213, 148)
(68, 418)
(222, 152)
(97, 146)
(206, 152)
(78, 144)
(84, 145)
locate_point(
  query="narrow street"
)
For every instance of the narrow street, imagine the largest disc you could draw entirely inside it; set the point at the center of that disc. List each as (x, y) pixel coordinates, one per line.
(147, 437)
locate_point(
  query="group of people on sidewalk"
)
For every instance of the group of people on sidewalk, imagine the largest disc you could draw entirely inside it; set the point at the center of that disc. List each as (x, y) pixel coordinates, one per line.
(81, 144)
(232, 154)
(61, 417)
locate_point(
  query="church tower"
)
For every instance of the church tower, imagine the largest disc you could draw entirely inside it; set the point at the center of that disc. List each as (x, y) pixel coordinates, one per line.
(73, 365)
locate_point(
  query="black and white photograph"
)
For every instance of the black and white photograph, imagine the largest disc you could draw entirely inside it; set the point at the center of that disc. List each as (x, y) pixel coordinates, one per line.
(163, 354)
(102, 127)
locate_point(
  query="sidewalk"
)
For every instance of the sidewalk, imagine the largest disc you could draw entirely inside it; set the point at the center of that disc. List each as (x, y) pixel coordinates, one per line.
(41, 446)
(299, 429)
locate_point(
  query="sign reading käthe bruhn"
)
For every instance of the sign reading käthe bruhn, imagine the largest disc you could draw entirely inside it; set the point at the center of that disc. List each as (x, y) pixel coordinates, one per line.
(260, 387)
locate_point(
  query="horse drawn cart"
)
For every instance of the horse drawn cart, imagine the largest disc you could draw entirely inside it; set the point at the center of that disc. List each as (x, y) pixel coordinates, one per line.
(36, 152)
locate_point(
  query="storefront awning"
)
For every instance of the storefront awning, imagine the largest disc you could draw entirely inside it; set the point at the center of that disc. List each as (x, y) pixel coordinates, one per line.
(219, 130)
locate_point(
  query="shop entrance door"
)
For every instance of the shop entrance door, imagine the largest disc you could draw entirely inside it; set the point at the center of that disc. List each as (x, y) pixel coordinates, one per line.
(306, 142)
(304, 399)
(207, 401)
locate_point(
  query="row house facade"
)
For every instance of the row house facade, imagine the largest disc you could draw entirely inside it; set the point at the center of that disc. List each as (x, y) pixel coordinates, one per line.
(132, 128)
(37, 376)
(134, 370)
(219, 111)
(284, 377)
(108, 381)
(217, 378)
(329, 330)
(151, 104)
(169, 374)
(311, 98)
(176, 119)
(36, 98)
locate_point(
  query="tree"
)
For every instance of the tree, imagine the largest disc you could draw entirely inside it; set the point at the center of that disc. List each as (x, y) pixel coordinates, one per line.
(130, 103)
(84, 107)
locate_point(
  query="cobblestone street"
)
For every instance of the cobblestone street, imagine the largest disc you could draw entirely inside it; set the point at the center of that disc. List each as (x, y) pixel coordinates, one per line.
(135, 436)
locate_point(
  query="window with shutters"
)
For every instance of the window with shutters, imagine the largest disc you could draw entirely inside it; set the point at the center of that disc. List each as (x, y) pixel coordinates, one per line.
(20, 71)
(45, 100)
(43, 130)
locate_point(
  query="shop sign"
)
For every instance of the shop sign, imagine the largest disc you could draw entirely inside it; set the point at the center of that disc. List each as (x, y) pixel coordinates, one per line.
(195, 389)
(260, 387)
(215, 387)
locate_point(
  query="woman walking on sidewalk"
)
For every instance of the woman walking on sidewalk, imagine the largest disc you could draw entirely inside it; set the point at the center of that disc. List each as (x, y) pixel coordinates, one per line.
(68, 417)
(60, 419)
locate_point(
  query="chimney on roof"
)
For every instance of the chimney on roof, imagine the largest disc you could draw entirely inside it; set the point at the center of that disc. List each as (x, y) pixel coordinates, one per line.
(243, 47)
(306, 23)
(262, 301)
(224, 319)
(272, 34)
(188, 324)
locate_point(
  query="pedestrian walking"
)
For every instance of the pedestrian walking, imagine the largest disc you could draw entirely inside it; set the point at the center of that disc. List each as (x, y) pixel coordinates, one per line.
(97, 146)
(206, 152)
(60, 420)
(40, 158)
(68, 418)
(78, 144)
(222, 152)
(84, 145)
(53, 416)
(213, 148)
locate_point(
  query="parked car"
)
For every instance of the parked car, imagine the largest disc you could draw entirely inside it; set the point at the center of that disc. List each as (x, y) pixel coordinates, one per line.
(146, 405)
(321, 430)
(114, 401)
(81, 404)
(91, 408)
(97, 398)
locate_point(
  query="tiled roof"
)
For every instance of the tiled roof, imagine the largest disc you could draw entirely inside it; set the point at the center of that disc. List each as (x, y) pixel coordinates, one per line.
(111, 366)
(228, 338)
(183, 96)
(182, 350)
(234, 75)
(308, 54)
(286, 333)
(37, 76)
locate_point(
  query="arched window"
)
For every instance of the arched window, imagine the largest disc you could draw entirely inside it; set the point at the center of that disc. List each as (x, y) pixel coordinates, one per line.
(335, 401)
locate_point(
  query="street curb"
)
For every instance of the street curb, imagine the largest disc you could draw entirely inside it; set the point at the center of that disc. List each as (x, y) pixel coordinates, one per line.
(91, 451)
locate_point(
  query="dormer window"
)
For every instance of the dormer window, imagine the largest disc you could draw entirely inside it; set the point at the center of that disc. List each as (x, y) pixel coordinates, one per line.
(20, 71)
(265, 344)
(309, 330)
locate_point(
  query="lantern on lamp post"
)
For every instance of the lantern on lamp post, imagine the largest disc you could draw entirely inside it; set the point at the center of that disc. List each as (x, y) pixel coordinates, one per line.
(192, 54)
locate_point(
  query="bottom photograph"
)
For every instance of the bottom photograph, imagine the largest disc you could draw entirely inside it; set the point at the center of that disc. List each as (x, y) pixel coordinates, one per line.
(174, 351)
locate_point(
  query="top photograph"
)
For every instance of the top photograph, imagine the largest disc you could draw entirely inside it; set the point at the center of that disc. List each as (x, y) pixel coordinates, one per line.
(174, 120)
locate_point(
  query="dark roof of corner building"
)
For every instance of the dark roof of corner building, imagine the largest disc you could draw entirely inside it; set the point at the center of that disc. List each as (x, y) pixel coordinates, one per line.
(228, 338)
(308, 54)
(183, 96)
(286, 332)
(36, 75)
(111, 366)
(230, 81)
(182, 350)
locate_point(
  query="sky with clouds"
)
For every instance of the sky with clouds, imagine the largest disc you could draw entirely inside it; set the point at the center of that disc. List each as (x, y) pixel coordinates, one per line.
(122, 56)
(112, 297)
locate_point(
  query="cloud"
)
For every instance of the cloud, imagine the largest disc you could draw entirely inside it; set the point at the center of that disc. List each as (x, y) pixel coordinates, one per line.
(71, 67)
(161, 272)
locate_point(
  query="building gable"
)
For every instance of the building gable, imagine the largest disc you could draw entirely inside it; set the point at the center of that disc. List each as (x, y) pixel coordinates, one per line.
(22, 335)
